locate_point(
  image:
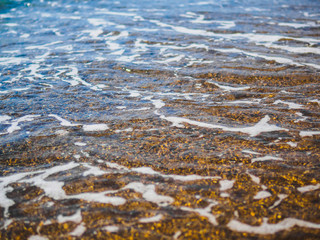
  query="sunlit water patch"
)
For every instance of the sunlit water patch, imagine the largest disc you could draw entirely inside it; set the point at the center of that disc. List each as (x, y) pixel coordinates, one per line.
(159, 119)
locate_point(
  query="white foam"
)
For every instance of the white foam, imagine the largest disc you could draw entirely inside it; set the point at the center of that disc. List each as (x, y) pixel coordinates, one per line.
(155, 218)
(69, 17)
(5, 202)
(192, 177)
(63, 122)
(94, 33)
(99, 197)
(224, 24)
(302, 118)
(92, 170)
(134, 93)
(183, 29)
(65, 47)
(4, 118)
(300, 50)
(205, 212)
(6, 15)
(79, 230)
(7, 223)
(224, 195)
(309, 133)
(37, 237)
(315, 100)
(158, 103)
(292, 144)
(298, 25)
(52, 189)
(308, 188)
(240, 102)
(11, 24)
(61, 132)
(77, 218)
(116, 166)
(228, 88)
(26, 35)
(115, 46)
(150, 171)
(128, 59)
(262, 195)
(269, 58)
(290, 104)
(146, 29)
(111, 228)
(97, 21)
(177, 235)
(33, 68)
(12, 60)
(251, 152)
(265, 158)
(276, 203)
(172, 59)
(95, 127)
(226, 184)
(260, 127)
(14, 90)
(255, 9)
(261, 39)
(106, 11)
(265, 228)
(14, 123)
(124, 130)
(254, 178)
(148, 193)
(80, 144)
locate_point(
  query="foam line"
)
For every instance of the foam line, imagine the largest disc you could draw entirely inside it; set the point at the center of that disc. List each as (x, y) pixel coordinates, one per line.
(262, 195)
(298, 25)
(37, 237)
(158, 103)
(281, 60)
(276, 203)
(52, 188)
(254, 178)
(252, 37)
(14, 124)
(155, 218)
(308, 188)
(265, 228)
(77, 218)
(255, 130)
(100, 197)
(309, 133)
(111, 228)
(205, 212)
(12, 60)
(186, 178)
(265, 158)
(4, 118)
(79, 230)
(95, 127)
(63, 122)
(290, 104)
(228, 88)
(148, 193)
(226, 184)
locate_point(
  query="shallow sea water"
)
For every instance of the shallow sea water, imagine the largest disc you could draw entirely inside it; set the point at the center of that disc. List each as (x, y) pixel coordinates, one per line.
(159, 119)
